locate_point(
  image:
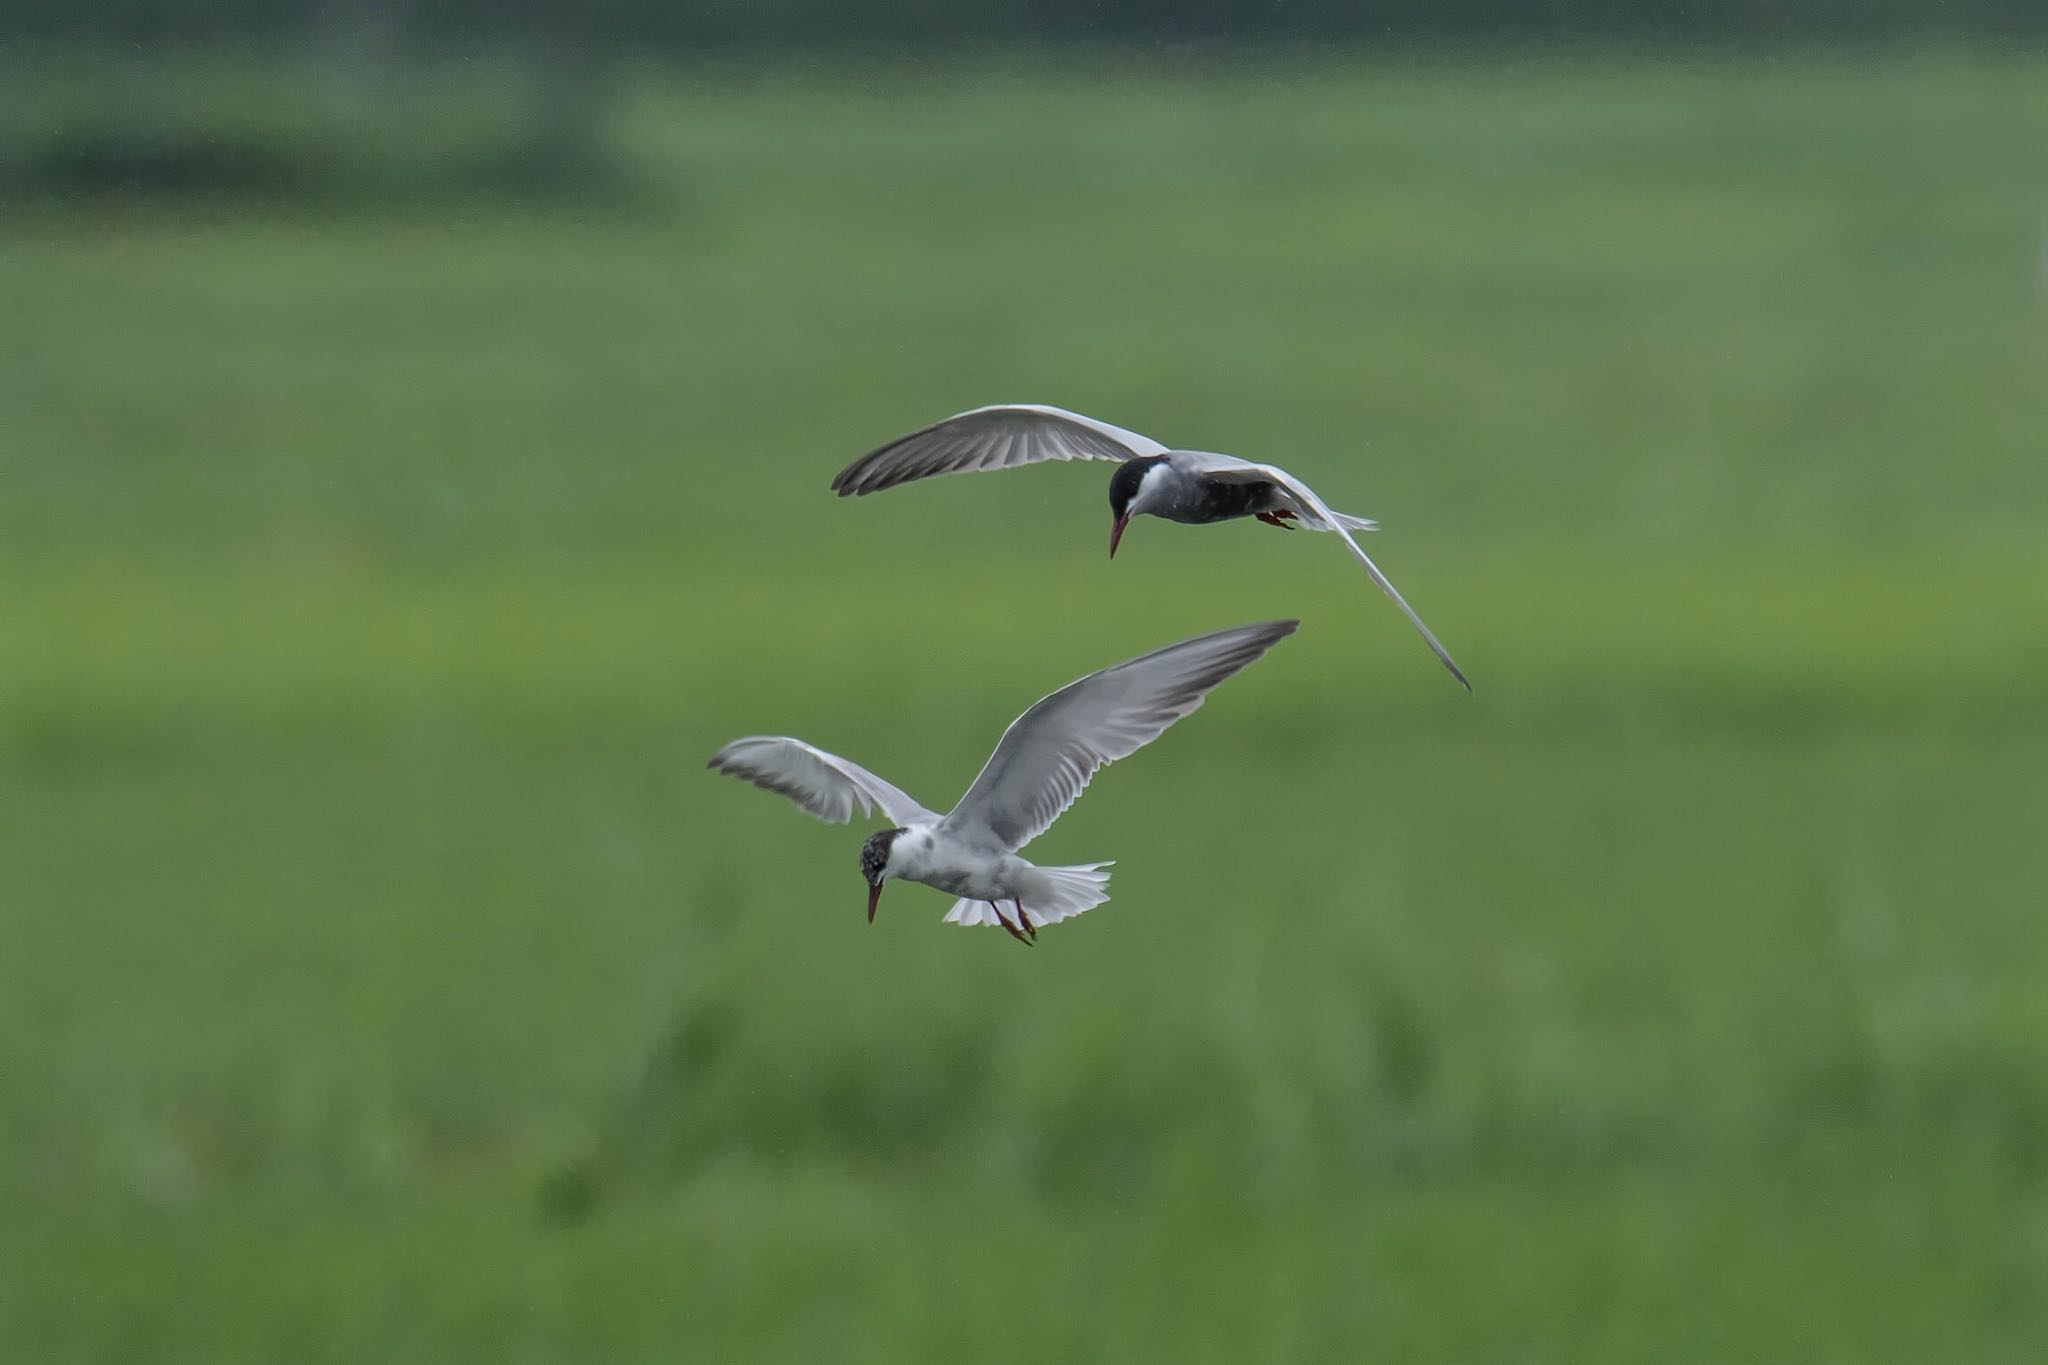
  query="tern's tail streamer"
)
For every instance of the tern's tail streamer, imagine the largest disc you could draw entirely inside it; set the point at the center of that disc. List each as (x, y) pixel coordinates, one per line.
(1349, 523)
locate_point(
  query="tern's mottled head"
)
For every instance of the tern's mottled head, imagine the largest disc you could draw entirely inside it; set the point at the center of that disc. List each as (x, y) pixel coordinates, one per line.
(1125, 488)
(874, 865)
(874, 855)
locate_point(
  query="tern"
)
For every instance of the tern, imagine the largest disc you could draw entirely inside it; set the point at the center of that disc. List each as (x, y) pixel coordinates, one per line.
(1039, 768)
(1194, 487)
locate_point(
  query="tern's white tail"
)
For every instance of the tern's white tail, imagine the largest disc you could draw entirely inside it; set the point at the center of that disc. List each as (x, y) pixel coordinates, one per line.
(1050, 895)
(1351, 523)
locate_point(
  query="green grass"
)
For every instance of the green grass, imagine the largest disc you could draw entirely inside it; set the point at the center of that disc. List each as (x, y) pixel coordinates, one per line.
(381, 975)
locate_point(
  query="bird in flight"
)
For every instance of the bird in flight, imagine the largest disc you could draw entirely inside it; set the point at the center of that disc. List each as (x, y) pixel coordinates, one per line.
(1194, 487)
(1039, 768)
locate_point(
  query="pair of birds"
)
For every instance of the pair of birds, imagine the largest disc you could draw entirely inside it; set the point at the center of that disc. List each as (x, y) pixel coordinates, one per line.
(1047, 756)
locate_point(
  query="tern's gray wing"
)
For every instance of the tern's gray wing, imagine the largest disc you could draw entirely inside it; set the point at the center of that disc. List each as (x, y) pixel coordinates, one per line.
(1048, 754)
(826, 785)
(1314, 506)
(999, 437)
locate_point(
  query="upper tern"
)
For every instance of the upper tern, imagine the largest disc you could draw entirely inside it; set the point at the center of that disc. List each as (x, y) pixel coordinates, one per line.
(1190, 486)
(1038, 769)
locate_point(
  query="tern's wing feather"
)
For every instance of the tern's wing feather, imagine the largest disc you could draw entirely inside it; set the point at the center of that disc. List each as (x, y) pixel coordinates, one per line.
(999, 437)
(1314, 506)
(826, 785)
(1048, 754)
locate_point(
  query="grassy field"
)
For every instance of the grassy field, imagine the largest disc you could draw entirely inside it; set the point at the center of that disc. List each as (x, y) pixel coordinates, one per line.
(381, 976)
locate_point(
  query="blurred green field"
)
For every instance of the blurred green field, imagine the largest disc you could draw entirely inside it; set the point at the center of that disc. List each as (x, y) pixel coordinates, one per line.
(381, 975)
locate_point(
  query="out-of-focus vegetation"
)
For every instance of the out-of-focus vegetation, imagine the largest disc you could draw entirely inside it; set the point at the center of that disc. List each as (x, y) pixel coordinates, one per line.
(809, 25)
(376, 104)
(381, 975)
(360, 133)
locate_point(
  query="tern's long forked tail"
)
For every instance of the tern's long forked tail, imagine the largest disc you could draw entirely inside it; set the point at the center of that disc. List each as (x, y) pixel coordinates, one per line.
(1062, 893)
(1351, 523)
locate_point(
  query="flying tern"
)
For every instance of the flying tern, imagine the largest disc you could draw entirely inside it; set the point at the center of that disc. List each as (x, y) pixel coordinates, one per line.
(1190, 486)
(1039, 768)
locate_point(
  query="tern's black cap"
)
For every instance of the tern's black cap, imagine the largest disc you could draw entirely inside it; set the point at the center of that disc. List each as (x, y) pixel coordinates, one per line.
(1123, 485)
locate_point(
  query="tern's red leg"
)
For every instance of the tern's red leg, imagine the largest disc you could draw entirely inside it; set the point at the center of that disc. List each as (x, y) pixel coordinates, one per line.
(1025, 920)
(1012, 930)
(1274, 519)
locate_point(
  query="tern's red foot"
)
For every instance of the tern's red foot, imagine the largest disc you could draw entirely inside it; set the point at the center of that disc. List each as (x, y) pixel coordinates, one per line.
(1274, 519)
(1012, 930)
(1025, 920)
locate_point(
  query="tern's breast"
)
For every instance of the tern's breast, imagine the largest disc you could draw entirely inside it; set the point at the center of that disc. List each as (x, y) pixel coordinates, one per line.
(950, 865)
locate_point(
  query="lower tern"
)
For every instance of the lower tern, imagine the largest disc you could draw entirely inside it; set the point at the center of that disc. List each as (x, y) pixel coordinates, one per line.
(1190, 486)
(1039, 768)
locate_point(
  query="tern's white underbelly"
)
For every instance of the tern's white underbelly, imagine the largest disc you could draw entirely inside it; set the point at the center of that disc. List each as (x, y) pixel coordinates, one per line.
(955, 866)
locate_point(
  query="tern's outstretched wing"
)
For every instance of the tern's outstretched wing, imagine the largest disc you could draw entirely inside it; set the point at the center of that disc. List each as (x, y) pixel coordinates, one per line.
(1313, 506)
(999, 437)
(1048, 754)
(826, 785)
